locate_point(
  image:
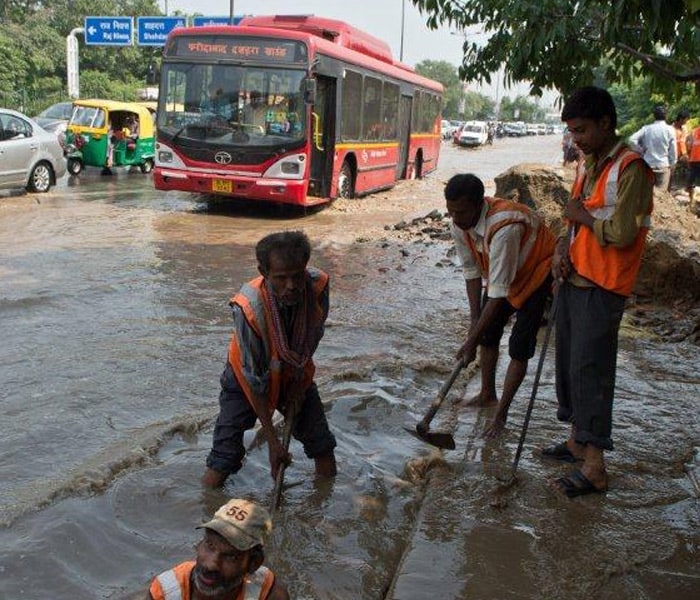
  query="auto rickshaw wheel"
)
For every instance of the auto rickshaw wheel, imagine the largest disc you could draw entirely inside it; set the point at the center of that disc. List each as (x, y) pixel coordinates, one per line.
(74, 166)
(147, 166)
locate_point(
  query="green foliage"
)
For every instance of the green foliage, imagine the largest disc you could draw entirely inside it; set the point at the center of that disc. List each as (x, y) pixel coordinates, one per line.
(33, 46)
(561, 43)
(439, 70)
(448, 76)
(521, 109)
(477, 107)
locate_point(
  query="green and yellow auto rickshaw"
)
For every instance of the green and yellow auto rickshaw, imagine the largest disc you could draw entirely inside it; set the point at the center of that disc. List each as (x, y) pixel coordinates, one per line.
(107, 134)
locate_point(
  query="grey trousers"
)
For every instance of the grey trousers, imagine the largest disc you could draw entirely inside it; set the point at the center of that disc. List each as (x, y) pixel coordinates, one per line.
(587, 325)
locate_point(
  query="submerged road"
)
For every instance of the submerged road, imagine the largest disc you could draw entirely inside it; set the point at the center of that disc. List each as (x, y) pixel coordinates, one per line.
(113, 301)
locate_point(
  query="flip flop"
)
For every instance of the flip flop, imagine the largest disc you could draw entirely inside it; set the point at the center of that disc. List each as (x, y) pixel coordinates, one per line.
(577, 484)
(559, 452)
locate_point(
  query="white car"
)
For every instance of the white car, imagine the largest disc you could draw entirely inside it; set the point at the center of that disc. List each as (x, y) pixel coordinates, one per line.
(472, 133)
(447, 129)
(30, 157)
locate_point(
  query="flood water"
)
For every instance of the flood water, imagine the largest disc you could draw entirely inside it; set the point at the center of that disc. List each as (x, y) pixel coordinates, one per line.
(115, 325)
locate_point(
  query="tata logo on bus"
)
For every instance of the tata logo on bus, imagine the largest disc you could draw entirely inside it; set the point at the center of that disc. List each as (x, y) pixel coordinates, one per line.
(222, 158)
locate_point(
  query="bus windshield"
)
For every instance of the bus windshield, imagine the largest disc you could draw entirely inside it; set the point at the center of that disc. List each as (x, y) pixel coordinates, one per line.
(231, 105)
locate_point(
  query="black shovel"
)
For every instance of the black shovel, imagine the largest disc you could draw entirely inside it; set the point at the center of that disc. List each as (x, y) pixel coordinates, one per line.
(436, 438)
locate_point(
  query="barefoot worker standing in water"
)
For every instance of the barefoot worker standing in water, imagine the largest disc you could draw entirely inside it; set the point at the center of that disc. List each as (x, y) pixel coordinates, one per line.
(505, 244)
(279, 321)
(609, 213)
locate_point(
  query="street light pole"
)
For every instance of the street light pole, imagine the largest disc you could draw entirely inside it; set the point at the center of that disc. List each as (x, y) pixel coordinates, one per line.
(403, 18)
(231, 14)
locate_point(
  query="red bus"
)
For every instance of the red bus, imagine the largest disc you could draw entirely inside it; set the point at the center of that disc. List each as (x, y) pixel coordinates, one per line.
(290, 109)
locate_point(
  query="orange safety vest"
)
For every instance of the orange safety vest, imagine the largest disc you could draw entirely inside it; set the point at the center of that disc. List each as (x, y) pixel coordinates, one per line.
(252, 303)
(174, 584)
(537, 246)
(613, 269)
(681, 134)
(695, 148)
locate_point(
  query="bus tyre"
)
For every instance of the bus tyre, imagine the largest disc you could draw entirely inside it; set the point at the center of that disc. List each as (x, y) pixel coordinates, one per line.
(417, 169)
(346, 185)
(74, 166)
(147, 166)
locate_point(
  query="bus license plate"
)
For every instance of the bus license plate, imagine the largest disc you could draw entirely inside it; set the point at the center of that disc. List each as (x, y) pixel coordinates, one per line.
(221, 185)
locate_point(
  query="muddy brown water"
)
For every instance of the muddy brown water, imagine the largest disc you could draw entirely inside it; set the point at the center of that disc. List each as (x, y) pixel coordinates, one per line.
(113, 304)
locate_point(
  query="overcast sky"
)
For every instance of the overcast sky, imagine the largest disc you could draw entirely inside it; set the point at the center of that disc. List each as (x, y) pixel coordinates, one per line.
(381, 18)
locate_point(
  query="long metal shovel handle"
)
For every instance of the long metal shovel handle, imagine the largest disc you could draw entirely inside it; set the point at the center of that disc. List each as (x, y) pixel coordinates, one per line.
(536, 383)
(289, 420)
(423, 426)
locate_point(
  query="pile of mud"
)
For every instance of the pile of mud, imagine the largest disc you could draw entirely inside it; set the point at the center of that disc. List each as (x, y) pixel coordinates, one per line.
(667, 293)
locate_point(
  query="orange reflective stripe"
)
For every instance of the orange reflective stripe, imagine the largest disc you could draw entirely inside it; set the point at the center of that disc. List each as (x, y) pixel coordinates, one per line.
(173, 584)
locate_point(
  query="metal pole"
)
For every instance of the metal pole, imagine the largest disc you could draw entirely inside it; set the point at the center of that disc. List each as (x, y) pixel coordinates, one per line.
(166, 8)
(232, 13)
(403, 18)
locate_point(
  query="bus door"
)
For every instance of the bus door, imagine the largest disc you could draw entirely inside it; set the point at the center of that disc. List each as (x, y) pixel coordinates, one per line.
(404, 135)
(322, 138)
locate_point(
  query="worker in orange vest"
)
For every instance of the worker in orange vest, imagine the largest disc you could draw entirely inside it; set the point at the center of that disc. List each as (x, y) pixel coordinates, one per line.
(279, 319)
(229, 561)
(693, 164)
(679, 126)
(505, 244)
(596, 265)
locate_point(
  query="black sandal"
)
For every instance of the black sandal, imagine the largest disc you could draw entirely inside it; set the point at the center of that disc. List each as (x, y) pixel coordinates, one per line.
(577, 484)
(559, 452)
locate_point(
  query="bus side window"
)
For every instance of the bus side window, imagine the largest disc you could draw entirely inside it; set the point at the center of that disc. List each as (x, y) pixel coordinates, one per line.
(371, 117)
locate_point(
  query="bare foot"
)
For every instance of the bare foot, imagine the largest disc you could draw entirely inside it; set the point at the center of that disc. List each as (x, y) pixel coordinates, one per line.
(577, 450)
(213, 479)
(482, 399)
(494, 428)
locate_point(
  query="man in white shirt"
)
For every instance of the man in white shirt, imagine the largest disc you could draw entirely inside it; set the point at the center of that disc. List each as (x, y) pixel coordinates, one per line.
(506, 255)
(657, 144)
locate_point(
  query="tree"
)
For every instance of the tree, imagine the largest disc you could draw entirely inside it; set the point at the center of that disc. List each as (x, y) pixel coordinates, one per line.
(561, 43)
(521, 109)
(448, 76)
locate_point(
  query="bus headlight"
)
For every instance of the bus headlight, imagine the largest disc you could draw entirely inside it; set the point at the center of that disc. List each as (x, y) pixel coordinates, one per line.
(165, 156)
(289, 167)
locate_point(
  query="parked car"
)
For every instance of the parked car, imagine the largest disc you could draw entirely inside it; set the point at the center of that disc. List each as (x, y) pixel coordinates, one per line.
(514, 129)
(472, 133)
(55, 118)
(30, 157)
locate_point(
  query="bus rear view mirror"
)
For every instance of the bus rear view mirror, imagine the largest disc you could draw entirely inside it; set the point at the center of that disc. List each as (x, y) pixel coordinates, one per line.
(309, 90)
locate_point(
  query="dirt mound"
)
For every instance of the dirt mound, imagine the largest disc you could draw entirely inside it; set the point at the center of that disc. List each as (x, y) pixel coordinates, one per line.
(668, 287)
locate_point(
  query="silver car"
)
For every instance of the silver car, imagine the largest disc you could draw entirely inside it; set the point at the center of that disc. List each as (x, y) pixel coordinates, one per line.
(30, 157)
